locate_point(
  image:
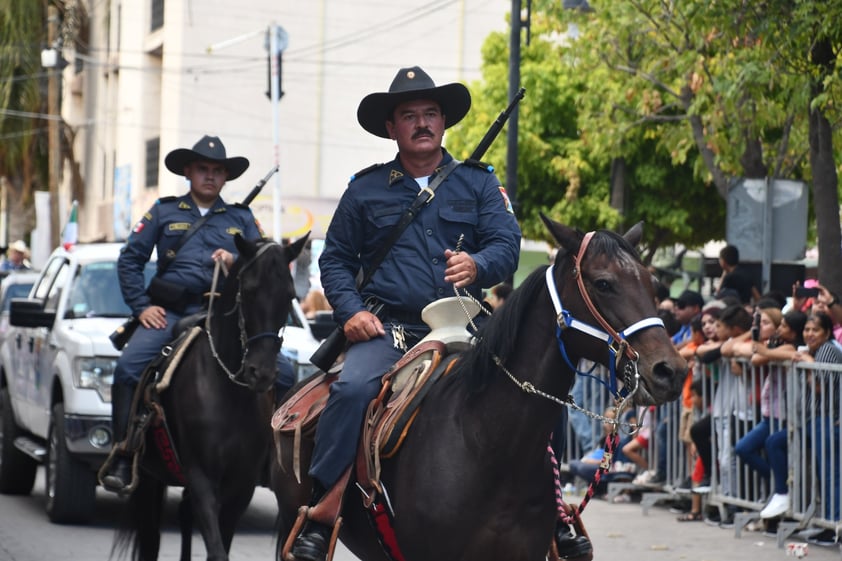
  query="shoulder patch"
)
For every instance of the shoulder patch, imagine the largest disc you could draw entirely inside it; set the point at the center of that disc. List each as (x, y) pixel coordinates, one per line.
(364, 171)
(169, 199)
(477, 164)
(239, 205)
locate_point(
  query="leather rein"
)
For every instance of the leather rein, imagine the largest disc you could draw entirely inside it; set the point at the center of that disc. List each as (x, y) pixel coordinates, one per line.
(241, 320)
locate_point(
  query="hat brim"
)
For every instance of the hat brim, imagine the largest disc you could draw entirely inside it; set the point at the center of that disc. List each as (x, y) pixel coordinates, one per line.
(179, 158)
(376, 108)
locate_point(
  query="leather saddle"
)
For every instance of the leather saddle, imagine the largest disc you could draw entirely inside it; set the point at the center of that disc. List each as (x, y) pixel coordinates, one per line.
(390, 415)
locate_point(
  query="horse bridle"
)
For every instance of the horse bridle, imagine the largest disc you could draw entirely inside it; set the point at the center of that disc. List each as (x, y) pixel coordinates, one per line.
(617, 341)
(241, 320)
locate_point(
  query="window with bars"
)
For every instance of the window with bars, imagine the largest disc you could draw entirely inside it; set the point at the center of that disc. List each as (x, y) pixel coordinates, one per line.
(153, 154)
(157, 15)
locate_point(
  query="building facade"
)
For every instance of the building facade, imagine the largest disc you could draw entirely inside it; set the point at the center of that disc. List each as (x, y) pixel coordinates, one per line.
(149, 76)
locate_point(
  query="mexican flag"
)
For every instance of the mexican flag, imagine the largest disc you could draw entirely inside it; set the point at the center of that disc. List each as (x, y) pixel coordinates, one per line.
(70, 234)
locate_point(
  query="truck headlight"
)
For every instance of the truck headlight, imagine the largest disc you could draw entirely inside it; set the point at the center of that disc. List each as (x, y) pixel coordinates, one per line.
(95, 373)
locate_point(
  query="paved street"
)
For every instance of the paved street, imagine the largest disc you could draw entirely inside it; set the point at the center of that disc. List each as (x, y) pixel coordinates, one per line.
(618, 531)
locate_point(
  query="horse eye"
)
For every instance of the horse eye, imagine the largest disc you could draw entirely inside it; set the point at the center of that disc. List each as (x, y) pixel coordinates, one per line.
(602, 285)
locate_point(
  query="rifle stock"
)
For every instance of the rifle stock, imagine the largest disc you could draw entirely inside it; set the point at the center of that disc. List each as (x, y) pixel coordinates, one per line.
(330, 349)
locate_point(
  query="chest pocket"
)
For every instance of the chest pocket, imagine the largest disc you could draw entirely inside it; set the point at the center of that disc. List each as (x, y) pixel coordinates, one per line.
(385, 217)
(460, 212)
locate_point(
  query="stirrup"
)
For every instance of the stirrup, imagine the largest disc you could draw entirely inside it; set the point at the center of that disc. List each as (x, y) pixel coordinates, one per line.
(300, 521)
(111, 473)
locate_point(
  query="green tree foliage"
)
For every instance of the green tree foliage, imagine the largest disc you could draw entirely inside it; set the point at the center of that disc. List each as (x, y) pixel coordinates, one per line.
(565, 168)
(24, 139)
(689, 96)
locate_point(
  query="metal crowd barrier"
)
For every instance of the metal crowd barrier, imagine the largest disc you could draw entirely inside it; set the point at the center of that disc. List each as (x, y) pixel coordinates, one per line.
(805, 402)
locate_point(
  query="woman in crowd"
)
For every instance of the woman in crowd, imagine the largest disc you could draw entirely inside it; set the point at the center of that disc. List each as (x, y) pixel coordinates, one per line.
(823, 414)
(774, 344)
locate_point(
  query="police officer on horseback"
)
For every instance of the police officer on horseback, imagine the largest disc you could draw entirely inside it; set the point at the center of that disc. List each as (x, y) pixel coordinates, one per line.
(185, 273)
(424, 264)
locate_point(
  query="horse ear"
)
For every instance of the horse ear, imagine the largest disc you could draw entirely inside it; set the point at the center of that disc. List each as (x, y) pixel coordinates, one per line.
(294, 249)
(567, 237)
(244, 246)
(635, 234)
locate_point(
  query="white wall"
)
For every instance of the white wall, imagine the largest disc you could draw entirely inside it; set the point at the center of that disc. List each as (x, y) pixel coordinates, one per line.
(339, 51)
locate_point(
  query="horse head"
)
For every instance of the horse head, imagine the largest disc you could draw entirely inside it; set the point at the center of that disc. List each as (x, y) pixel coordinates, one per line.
(608, 291)
(262, 290)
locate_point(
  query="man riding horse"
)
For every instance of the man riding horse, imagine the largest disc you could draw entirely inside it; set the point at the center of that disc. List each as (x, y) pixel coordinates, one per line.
(467, 237)
(191, 233)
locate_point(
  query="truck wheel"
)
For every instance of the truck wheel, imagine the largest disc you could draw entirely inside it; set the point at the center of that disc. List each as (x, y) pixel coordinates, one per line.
(17, 470)
(71, 484)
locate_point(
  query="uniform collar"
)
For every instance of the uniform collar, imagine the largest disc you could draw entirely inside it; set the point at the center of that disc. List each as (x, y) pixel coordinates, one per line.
(186, 202)
(397, 172)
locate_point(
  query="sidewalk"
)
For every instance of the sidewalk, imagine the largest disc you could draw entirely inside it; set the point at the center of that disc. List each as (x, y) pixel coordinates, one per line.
(622, 531)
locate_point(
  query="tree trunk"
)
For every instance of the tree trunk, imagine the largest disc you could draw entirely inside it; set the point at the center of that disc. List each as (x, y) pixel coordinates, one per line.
(825, 179)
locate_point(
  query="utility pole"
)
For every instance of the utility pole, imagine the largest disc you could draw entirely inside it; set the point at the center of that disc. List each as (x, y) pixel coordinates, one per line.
(514, 86)
(54, 144)
(278, 41)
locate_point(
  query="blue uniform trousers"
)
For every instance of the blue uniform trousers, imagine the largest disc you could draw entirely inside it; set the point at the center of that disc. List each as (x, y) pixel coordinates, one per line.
(144, 345)
(340, 425)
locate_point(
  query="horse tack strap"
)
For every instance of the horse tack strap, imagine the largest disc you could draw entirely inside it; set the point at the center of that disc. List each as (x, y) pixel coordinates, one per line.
(299, 413)
(181, 345)
(629, 352)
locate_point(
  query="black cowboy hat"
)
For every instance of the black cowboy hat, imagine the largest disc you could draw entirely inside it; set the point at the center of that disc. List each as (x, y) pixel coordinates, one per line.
(208, 148)
(409, 84)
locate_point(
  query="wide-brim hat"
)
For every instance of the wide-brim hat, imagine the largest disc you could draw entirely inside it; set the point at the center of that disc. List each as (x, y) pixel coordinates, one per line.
(208, 148)
(20, 246)
(410, 84)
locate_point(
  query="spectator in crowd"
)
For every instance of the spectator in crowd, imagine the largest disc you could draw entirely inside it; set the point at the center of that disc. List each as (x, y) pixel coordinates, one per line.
(781, 347)
(735, 277)
(663, 298)
(823, 429)
(697, 395)
(17, 258)
(826, 303)
(733, 322)
(313, 303)
(801, 300)
(586, 467)
(688, 352)
(687, 306)
(772, 404)
(707, 355)
(636, 449)
(498, 295)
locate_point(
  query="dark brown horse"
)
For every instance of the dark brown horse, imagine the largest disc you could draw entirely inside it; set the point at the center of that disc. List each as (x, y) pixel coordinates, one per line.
(473, 479)
(217, 409)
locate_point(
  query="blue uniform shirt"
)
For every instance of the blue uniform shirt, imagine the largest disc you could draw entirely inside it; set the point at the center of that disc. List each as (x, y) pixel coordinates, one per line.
(163, 226)
(471, 201)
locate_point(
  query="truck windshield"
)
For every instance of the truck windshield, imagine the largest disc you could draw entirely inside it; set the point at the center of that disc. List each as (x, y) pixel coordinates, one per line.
(96, 291)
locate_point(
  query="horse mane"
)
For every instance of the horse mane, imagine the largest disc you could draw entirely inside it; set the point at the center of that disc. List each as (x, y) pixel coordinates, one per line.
(499, 334)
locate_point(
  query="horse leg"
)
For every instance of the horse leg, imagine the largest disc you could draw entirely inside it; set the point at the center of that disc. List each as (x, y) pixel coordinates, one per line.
(206, 510)
(185, 523)
(146, 506)
(231, 512)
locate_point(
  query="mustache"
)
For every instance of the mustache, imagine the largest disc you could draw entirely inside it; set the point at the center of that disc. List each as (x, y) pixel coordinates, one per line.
(422, 132)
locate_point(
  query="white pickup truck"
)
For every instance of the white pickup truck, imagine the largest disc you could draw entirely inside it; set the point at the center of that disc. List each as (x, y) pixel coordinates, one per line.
(56, 369)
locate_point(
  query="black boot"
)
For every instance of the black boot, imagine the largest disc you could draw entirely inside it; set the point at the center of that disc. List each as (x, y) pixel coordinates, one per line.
(118, 476)
(313, 541)
(570, 546)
